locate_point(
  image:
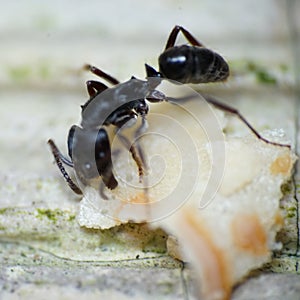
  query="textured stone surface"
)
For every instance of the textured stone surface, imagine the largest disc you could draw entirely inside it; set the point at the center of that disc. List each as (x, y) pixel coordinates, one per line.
(269, 286)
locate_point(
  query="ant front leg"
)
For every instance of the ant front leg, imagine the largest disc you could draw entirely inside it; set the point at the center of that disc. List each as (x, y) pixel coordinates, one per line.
(101, 74)
(231, 110)
(60, 159)
(173, 36)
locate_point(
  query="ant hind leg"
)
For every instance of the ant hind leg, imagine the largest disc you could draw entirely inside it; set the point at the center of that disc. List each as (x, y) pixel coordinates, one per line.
(173, 36)
(231, 110)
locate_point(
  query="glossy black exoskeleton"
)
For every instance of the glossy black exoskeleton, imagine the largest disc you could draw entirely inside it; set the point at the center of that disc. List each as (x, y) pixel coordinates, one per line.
(190, 64)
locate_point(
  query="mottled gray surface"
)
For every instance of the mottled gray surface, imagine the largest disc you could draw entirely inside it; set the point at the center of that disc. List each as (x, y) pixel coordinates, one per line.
(37, 272)
(269, 286)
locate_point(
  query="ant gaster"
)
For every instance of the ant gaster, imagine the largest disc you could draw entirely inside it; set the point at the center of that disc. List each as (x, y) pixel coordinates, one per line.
(190, 64)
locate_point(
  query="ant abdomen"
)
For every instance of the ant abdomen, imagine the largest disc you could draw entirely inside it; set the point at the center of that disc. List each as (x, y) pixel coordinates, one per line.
(192, 64)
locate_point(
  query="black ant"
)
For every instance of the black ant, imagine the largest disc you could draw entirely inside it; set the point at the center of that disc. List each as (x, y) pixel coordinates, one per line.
(123, 103)
(196, 64)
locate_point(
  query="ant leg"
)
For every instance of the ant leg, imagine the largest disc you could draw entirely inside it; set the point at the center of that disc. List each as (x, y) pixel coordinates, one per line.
(95, 87)
(101, 74)
(136, 150)
(174, 33)
(141, 129)
(104, 159)
(127, 119)
(101, 191)
(59, 159)
(235, 112)
(102, 185)
(134, 153)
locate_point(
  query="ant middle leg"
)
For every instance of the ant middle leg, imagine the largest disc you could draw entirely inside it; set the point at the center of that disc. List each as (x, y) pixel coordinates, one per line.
(234, 111)
(173, 36)
(138, 133)
(134, 153)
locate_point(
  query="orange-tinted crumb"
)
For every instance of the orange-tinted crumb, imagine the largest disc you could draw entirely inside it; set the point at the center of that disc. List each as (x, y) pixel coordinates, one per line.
(249, 234)
(140, 198)
(209, 259)
(281, 165)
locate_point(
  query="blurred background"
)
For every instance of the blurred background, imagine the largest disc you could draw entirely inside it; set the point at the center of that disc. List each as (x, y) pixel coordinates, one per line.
(38, 38)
